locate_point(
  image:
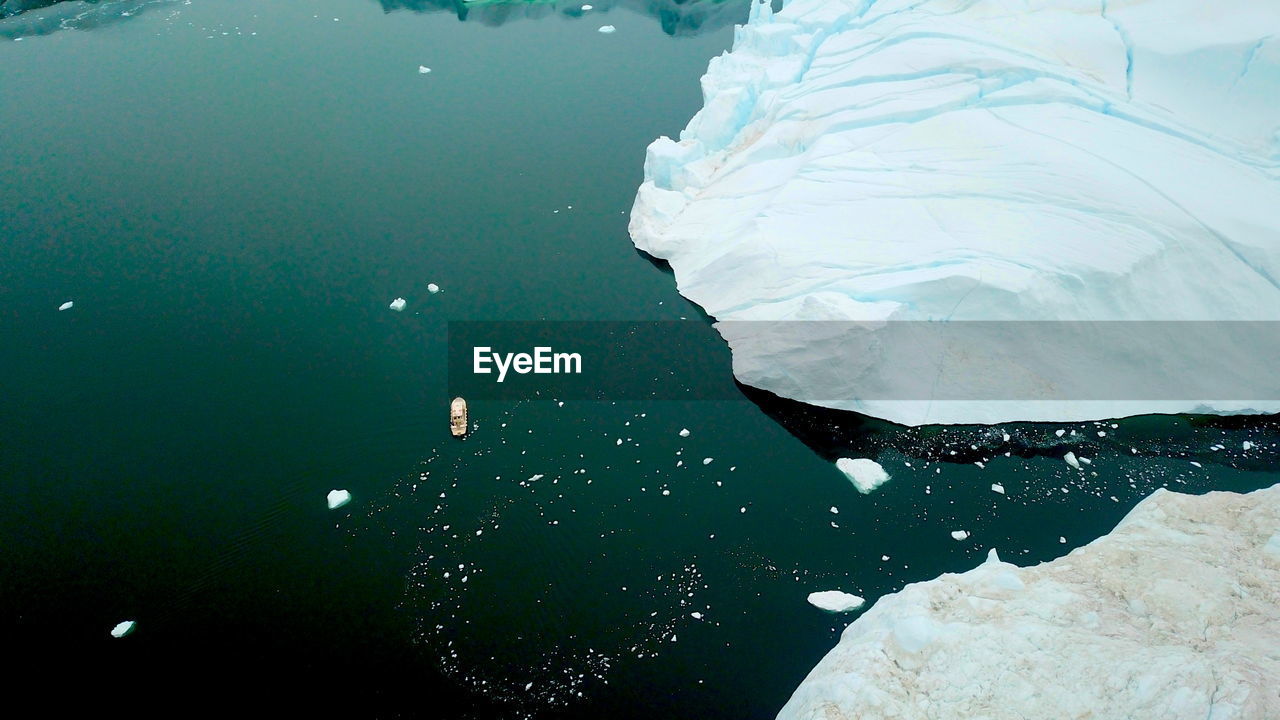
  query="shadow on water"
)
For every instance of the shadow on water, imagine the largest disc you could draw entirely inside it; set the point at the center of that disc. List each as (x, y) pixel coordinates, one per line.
(1210, 439)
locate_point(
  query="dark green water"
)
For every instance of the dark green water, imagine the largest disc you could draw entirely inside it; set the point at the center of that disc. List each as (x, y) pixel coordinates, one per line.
(232, 193)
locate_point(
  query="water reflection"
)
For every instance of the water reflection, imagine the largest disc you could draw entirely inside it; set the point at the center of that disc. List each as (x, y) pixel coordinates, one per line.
(677, 17)
(19, 18)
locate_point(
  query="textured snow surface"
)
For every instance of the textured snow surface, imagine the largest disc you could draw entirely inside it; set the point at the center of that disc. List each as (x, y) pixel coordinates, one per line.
(956, 160)
(1173, 615)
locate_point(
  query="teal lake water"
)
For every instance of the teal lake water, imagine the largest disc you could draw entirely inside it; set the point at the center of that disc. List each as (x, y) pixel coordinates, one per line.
(232, 192)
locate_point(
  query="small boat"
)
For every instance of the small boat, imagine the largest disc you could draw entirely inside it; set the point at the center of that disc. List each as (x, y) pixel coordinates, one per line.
(458, 417)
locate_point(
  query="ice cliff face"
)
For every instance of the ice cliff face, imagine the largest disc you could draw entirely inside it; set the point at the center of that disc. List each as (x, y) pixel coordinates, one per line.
(958, 160)
(1174, 615)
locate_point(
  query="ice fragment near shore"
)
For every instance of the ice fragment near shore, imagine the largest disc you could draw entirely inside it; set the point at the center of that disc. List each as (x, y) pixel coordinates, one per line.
(866, 475)
(835, 601)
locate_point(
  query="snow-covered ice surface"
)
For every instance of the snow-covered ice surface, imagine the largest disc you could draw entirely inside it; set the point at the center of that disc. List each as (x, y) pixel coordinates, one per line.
(866, 475)
(1174, 615)
(835, 601)
(952, 160)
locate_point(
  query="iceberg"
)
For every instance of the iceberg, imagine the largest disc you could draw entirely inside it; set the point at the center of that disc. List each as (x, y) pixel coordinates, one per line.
(66, 305)
(835, 601)
(1175, 614)
(337, 498)
(908, 162)
(123, 628)
(398, 304)
(866, 475)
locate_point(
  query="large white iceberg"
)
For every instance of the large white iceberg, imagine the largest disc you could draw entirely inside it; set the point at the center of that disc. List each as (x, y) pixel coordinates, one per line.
(1174, 615)
(931, 160)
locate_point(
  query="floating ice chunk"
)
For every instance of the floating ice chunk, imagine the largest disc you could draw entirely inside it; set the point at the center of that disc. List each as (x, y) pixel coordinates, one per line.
(423, 69)
(66, 305)
(1062, 540)
(835, 510)
(433, 288)
(1246, 445)
(398, 304)
(684, 432)
(959, 535)
(1060, 433)
(695, 615)
(528, 687)
(866, 475)
(1006, 437)
(124, 628)
(607, 29)
(707, 461)
(997, 488)
(835, 601)
(587, 8)
(338, 498)
(1070, 457)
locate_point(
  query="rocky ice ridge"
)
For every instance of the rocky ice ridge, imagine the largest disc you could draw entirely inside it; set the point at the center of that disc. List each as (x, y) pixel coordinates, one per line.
(1173, 615)
(874, 160)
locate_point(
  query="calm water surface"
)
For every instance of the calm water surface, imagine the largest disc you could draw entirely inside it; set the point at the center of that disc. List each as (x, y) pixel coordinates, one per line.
(232, 191)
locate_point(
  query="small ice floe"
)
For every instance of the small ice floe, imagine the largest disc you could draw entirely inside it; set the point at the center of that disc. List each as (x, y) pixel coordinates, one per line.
(1006, 437)
(707, 461)
(866, 475)
(423, 69)
(398, 304)
(835, 601)
(1246, 445)
(587, 8)
(695, 615)
(1062, 540)
(835, 510)
(1060, 433)
(1193, 462)
(338, 498)
(124, 628)
(433, 288)
(997, 488)
(608, 29)
(684, 432)
(1070, 457)
(66, 306)
(959, 535)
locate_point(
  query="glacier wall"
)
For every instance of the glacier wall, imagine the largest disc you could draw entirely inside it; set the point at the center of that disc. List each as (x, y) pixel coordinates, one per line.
(1173, 615)
(927, 160)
